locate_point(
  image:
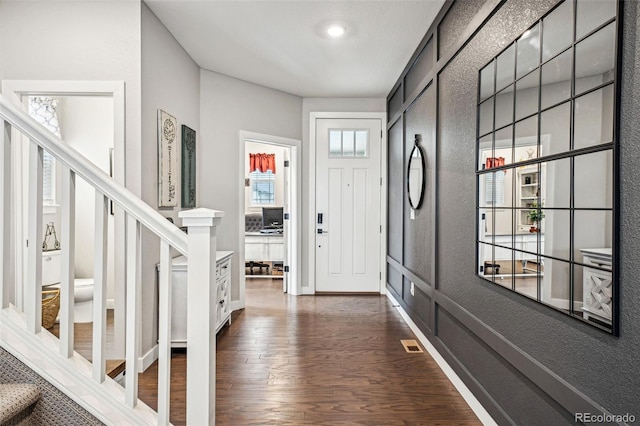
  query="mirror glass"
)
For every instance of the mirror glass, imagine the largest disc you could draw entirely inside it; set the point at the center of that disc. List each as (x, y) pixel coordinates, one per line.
(486, 116)
(594, 118)
(504, 107)
(557, 30)
(546, 216)
(528, 51)
(595, 59)
(591, 14)
(527, 95)
(416, 177)
(556, 80)
(505, 68)
(487, 79)
(502, 147)
(555, 126)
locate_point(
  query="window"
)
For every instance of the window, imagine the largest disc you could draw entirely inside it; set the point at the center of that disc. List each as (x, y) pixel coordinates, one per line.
(262, 188)
(494, 189)
(43, 110)
(348, 143)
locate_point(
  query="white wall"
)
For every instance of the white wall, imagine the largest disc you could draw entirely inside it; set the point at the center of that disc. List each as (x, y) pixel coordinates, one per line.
(90, 41)
(227, 106)
(87, 125)
(256, 148)
(171, 82)
(324, 105)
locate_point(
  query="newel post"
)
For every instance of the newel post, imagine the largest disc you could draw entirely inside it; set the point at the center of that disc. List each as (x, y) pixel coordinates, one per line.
(201, 318)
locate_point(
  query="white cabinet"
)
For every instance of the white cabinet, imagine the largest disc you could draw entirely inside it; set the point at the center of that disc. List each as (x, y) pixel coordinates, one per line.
(597, 284)
(179, 296)
(263, 247)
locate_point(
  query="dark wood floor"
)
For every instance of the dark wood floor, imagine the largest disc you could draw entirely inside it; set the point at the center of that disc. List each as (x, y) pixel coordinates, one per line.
(83, 343)
(318, 360)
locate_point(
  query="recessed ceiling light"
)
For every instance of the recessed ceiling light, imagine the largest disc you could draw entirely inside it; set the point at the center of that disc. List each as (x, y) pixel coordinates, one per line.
(336, 31)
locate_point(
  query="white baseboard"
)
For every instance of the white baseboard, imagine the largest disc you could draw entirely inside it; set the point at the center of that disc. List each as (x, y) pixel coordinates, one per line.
(111, 304)
(464, 391)
(147, 359)
(236, 305)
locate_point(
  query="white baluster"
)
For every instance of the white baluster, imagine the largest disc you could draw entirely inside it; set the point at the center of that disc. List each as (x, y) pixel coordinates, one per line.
(100, 289)
(201, 322)
(68, 245)
(134, 294)
(7, 282)
(33, 288)
(164, 334)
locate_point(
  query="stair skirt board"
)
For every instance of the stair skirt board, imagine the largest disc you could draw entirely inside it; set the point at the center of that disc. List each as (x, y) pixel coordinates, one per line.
(68, 378)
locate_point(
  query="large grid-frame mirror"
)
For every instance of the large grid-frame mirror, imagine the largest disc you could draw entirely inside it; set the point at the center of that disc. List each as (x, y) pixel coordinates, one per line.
(546, 163)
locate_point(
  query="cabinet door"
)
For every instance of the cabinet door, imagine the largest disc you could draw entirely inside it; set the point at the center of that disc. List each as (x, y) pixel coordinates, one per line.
(255, 250)
(597, 292)
(276, 249)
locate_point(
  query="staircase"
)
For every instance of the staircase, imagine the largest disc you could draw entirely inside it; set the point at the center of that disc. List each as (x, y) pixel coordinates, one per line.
(53, 358)
(16, 402)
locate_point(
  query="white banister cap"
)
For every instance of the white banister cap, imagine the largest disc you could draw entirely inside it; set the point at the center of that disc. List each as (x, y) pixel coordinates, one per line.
(201, 217)
(200, 213)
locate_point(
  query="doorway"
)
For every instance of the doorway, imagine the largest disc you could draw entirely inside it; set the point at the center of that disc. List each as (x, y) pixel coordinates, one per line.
(348, 218)
(269, 210)
(83, 105)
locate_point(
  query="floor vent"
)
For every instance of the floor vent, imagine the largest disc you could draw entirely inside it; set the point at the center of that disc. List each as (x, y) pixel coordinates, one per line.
(411, 346)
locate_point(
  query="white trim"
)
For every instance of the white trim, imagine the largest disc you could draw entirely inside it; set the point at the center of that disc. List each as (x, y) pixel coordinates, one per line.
(147, 359)
(477, 408)
(50, 208)
(311, 246)
(295, 146)
(111, 304)
(14, 90)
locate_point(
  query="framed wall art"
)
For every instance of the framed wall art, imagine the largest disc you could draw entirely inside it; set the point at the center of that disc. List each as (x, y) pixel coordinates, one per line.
(188, 167)
(167, 160)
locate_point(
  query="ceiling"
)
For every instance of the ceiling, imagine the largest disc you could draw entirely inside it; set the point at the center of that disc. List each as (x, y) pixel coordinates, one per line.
(283, 44)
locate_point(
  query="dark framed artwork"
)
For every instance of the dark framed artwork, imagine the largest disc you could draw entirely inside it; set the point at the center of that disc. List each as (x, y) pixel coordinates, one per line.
(188, 167)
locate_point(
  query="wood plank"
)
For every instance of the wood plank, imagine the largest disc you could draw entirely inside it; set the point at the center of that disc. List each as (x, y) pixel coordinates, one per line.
(317, 360)
(83, 343)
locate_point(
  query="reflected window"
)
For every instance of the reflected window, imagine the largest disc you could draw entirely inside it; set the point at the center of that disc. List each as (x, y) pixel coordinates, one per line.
(546, 121)
(494, 189)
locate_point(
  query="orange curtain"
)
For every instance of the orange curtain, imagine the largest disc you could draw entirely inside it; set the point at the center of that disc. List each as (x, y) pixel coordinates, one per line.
(262, 162)
(494, 162)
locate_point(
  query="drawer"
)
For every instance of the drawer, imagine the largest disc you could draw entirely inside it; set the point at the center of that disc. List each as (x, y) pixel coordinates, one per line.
(223, 269)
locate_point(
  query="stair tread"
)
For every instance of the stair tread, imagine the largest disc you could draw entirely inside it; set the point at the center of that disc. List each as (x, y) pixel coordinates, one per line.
(15, 397)
(115, 367)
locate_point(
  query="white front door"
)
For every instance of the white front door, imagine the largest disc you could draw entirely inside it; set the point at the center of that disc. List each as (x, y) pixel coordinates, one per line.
(348, 204)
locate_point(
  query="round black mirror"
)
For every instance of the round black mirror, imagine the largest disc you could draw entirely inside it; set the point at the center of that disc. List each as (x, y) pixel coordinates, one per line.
(416, 175)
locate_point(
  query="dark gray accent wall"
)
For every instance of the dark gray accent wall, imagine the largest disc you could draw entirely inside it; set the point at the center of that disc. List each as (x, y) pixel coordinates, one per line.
(526, 363)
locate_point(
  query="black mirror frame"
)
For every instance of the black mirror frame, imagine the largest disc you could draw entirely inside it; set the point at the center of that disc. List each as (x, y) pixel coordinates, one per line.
(424, 173)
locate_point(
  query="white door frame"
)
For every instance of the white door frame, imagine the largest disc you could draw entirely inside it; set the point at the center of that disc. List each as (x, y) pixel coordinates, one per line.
(311, 247)
(15, 90)
(295, 223)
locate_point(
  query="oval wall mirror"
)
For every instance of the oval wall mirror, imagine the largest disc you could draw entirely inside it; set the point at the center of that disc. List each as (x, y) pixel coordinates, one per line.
(416, 175)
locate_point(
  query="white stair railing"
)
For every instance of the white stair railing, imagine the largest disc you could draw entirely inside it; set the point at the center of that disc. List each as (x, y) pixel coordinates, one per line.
(199, 247)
